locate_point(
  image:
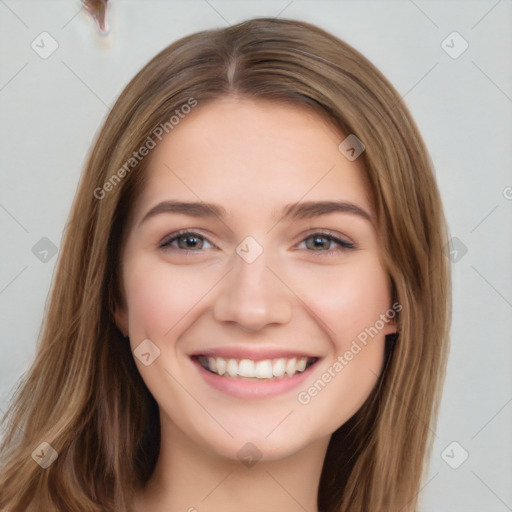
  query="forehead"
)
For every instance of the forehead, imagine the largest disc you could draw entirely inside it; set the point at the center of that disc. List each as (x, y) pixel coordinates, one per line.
(253, 156)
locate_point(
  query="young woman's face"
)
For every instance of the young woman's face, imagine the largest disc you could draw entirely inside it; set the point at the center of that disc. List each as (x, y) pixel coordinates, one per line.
(255, 286)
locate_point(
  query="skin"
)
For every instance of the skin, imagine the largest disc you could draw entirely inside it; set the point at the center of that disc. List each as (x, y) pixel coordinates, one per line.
(252, 157)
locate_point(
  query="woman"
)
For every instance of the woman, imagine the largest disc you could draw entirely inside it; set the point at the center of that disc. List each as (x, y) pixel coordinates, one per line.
(292, 355)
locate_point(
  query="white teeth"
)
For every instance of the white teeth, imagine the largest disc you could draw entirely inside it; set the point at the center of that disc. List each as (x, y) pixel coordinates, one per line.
(221, 366)
(232, 368)
(301, 364)
(265, 369)
(212, 363)
(246, 368)
(279, 367)
(290, 366)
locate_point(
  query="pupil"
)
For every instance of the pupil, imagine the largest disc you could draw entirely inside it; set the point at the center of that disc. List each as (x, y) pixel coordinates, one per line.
(188, 239)
(320, 244)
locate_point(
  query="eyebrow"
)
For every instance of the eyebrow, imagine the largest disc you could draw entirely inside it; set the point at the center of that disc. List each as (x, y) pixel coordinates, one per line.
(292, 211)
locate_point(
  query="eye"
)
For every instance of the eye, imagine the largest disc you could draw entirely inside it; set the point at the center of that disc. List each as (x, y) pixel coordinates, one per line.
(194, 242)
(191, 240)
(321, 240)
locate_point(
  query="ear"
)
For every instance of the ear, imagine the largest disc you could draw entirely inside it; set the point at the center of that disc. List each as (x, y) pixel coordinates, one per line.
(390, 326)
(121, 319)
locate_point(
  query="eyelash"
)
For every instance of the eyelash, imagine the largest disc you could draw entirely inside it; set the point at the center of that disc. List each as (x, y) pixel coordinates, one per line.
(342, 244)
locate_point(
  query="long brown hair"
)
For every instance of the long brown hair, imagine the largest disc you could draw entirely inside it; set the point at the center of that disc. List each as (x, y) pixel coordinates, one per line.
(83, 394)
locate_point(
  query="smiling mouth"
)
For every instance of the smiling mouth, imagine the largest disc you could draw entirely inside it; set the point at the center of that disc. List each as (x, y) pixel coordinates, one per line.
(266, 369)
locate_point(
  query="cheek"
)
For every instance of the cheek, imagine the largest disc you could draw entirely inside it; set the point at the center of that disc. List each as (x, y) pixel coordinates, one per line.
(350, 299)
(157, 298)
(349, 305)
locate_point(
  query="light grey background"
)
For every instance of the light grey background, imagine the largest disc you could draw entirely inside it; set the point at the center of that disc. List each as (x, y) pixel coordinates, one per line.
(52, 108)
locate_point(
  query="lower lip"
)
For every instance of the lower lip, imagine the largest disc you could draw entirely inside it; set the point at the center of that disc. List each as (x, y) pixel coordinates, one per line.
(244, 388)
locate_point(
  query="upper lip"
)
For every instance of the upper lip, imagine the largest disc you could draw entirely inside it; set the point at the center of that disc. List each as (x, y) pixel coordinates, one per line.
(254, 353)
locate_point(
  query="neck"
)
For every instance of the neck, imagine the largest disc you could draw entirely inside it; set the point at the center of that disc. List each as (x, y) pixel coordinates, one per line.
(193, 478)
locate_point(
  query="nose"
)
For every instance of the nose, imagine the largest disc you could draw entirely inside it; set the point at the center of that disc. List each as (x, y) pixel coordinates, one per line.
(253, 296)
